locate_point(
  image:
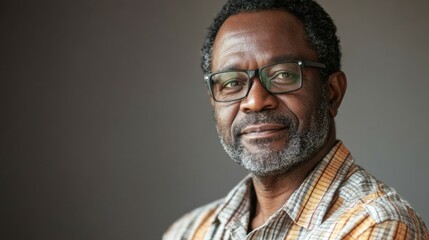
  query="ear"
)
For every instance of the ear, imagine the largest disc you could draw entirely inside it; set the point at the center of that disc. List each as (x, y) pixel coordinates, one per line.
(337, 85)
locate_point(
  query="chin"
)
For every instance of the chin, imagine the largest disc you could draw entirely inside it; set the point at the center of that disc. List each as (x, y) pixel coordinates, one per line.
(268, 163)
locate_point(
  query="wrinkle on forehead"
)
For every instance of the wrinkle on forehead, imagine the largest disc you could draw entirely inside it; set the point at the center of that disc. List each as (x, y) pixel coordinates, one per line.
(250, 36)
(242, 44)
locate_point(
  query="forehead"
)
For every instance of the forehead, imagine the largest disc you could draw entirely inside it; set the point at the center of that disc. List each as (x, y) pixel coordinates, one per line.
(253, 39)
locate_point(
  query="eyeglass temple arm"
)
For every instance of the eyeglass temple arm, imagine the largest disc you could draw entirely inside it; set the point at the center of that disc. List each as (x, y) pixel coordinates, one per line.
(313, 64)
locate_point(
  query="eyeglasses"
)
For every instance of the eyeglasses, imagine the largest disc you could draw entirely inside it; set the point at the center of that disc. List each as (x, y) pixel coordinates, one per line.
(233, 85)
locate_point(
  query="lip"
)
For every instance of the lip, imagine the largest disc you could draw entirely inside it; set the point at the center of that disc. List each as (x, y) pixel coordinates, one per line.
(265, 130)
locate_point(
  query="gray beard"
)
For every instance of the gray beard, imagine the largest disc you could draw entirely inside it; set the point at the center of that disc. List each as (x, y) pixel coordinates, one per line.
(301, 145)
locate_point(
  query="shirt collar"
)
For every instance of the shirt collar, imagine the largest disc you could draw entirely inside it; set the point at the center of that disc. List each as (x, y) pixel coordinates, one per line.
(236, 207)
(308, 205)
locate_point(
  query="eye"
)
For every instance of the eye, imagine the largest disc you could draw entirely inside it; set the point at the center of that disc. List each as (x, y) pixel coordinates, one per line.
(284, 77)
(229, 82)
(232, 83)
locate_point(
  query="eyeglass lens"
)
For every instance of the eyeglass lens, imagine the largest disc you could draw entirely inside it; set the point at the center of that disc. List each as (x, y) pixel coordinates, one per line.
(278, 78)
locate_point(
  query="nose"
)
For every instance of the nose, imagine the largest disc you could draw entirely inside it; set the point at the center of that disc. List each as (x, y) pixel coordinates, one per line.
(258, 99)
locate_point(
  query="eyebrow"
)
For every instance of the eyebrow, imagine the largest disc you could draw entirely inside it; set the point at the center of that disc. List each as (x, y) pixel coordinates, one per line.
(285, 58)
(273, 60)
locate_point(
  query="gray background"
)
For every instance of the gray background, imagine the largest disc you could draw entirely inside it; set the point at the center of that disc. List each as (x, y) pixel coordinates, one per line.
(106, 129)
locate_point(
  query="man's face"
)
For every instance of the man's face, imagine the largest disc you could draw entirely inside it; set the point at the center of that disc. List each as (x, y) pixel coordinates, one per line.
(268, 134)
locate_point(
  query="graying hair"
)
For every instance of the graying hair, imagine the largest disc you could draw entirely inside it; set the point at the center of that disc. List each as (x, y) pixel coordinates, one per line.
(319, 28)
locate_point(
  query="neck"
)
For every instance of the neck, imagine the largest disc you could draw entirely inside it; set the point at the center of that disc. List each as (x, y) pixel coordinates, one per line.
(271, 192)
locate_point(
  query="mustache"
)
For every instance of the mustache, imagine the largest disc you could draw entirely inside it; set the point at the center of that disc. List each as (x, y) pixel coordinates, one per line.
(270, 116)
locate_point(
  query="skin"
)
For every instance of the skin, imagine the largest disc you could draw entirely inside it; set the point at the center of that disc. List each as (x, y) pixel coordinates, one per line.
(252, 40)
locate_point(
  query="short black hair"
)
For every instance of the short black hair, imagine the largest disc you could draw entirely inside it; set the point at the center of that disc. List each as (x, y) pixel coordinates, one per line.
(319, 28)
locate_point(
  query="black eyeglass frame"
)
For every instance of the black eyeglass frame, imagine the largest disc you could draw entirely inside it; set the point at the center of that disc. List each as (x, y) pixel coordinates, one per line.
(252, 73)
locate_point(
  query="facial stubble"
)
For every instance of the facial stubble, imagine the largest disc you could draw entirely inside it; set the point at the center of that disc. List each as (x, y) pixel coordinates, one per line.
(300, 145)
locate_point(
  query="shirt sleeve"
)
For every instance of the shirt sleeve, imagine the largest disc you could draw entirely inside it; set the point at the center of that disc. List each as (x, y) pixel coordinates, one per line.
(188, 225)
(394, 230)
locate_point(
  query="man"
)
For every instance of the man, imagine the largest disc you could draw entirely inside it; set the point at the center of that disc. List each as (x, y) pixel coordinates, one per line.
(273, 73)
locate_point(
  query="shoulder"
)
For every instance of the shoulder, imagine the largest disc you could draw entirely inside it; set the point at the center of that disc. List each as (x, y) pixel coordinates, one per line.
(373, 210)
(186, 225)
(393, 216)
(378, 200)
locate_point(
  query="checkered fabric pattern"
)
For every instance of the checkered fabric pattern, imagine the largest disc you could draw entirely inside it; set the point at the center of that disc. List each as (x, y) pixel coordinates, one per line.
(338, 200)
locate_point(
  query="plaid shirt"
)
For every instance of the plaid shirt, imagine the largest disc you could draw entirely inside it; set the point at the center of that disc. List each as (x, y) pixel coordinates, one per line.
(338, 200)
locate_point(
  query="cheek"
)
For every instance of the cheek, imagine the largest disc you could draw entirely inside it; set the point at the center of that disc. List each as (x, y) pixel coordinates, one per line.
(224, 115)
(301, 107)
(304, 102)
